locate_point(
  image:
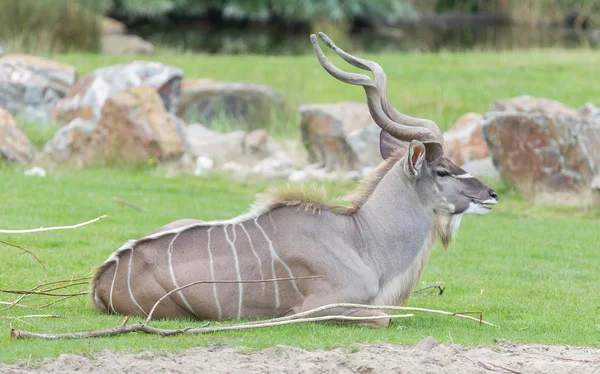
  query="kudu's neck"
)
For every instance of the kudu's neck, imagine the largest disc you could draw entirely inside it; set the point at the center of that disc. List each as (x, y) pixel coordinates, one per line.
(395, 226)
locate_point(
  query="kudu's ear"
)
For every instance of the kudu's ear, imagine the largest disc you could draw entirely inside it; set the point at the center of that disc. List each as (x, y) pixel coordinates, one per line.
(416, 156)
(388, 145)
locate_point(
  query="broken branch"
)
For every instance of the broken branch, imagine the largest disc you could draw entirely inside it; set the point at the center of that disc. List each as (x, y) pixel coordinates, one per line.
(41, 229)
(19, 334)
(128, 204)
(24, 250)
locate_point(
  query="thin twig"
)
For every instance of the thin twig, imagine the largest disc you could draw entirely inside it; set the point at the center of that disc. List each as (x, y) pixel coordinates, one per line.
(34, 316)
(41, 229)
(26, 251)
(25, 292)
(378, 307)
(11, 305)
(438, 286)
(126, 203)
(46, 291)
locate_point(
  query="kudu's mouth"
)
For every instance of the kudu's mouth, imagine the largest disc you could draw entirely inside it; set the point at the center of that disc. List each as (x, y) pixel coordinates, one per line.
(485, 204)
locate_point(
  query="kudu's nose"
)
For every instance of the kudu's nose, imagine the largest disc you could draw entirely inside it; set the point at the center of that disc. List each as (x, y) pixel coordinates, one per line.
(493, 194)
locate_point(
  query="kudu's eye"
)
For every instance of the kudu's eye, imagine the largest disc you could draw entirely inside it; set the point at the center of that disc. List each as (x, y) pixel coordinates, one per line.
(442, 173)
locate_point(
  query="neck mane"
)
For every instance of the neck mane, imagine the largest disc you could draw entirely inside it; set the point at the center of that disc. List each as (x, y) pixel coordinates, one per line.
(315, 200)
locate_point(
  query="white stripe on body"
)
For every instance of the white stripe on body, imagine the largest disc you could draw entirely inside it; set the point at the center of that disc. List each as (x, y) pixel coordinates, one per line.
(129, 283)
(212, 275)
(237, 267)
(275, 257)
(262, 276)
(112, 285)
(173, 279)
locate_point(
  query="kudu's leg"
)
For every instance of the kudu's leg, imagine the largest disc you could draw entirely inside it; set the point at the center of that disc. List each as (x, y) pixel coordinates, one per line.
(312, 303)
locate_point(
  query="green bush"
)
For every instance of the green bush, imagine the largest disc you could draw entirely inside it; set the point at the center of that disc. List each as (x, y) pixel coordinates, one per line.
(262, 10)
(55, 26)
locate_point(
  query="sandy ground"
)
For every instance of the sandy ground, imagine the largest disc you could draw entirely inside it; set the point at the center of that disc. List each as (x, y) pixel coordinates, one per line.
(425, 357)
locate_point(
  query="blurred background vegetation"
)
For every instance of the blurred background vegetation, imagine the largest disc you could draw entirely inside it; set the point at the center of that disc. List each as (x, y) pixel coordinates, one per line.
(281, 26)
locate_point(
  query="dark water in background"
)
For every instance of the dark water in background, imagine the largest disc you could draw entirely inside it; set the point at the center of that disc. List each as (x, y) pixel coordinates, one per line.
(274, 40)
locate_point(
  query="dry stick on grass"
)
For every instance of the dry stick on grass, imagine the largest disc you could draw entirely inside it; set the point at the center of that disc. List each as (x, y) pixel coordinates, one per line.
(437, 286)
(26, 251)
(126, 203)
(42, 229)
(34, 316)
(34, 291)
(43, 293)
(293, 319)
(122, 329)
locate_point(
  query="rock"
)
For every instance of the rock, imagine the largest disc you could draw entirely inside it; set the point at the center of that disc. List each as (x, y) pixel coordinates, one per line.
(220, 147)
(483, 169)
(298, 176)
(71, 142)
(591, 112)
(353, 175)
(596, 192)
(111, 26)
(271, 168)
(365, 145)
(15, 147)
(544, 152)
(31, 86)
(61, 76)
(36, 171)
(203, 166)
(133, 127)
(529, 104)
(328, 130)
(88, 95)
(256, 143)
(250, 104)
(464, 141)
(366, 171)
(121, 44)
(236, 170)
(426, 344)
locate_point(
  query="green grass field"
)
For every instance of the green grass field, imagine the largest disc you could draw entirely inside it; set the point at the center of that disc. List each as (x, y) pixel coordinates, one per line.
(532, 271)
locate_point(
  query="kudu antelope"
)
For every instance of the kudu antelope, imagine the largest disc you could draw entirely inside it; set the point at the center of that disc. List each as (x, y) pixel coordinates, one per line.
(370, 253)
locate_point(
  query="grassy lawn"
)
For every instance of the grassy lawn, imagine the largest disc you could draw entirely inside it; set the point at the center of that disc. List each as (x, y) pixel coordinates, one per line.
(532, 271)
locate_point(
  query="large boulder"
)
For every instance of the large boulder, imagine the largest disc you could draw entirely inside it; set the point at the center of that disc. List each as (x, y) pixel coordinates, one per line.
(464, 141)
(87, 97)
(14, 145)
(220, 147)
(71, 143)
(122, 44)
(133, 126)
(530, 104)
(341, 135)
(31, 86)
(542, 146)
(249, 104)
